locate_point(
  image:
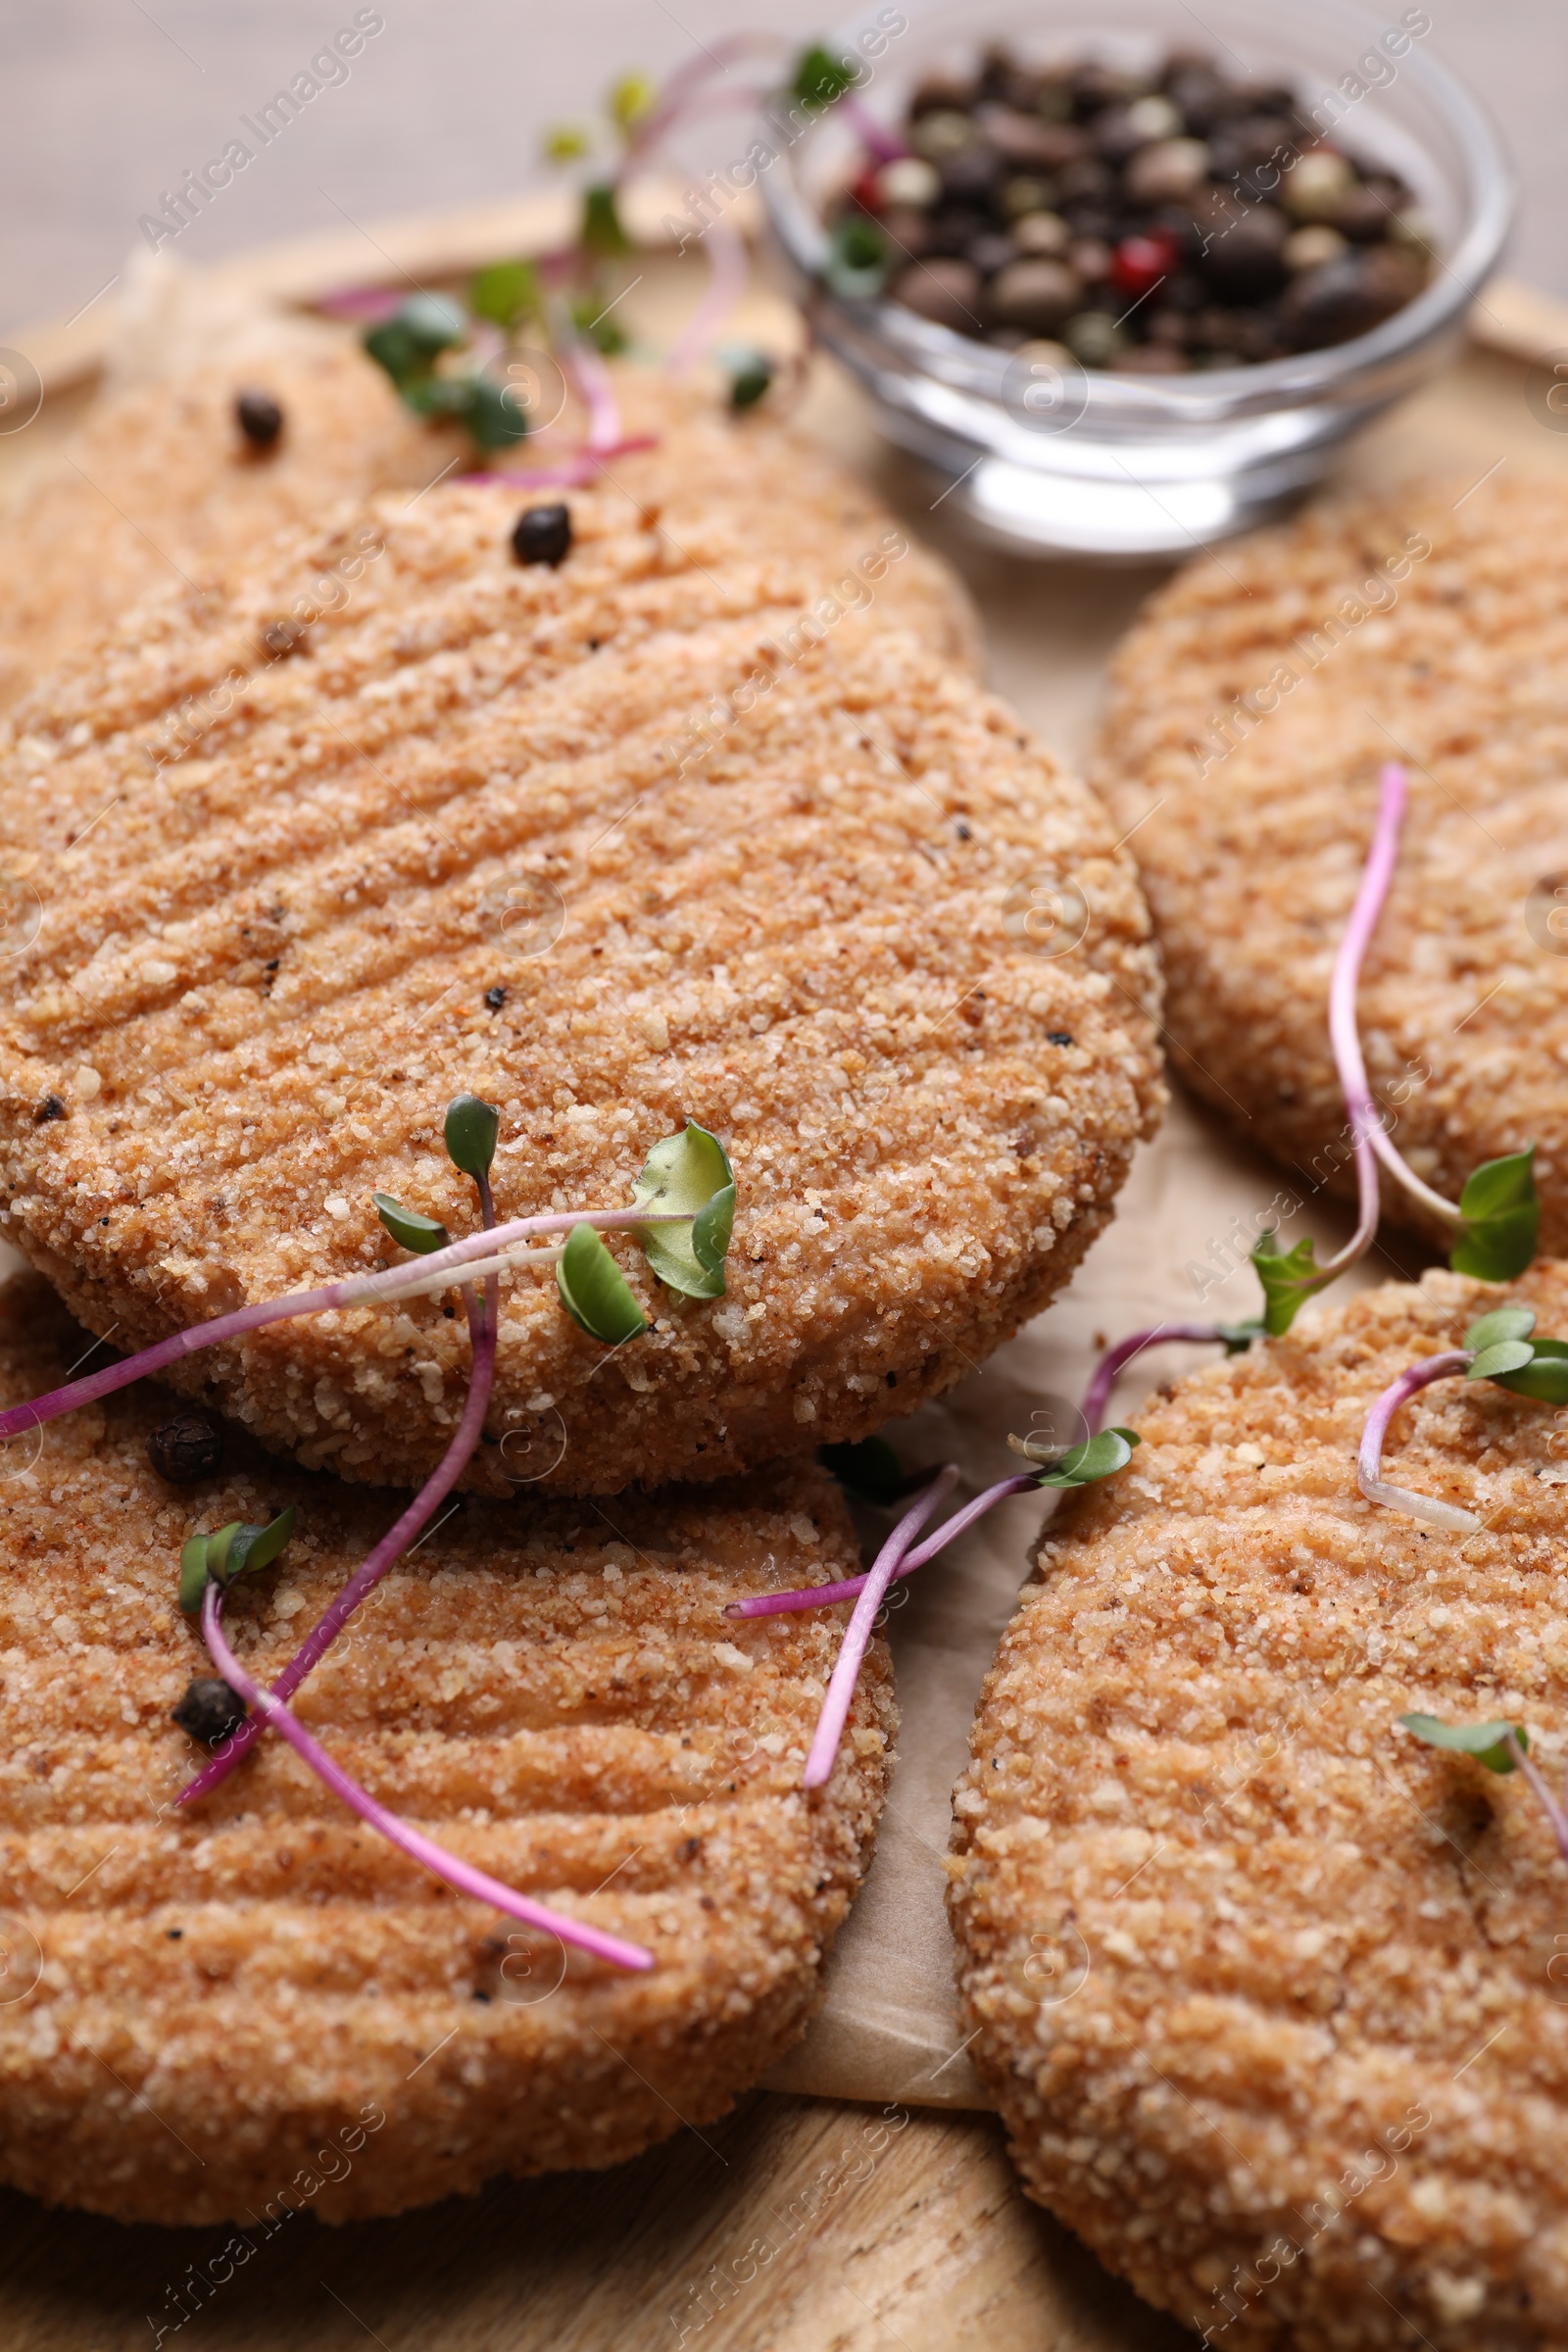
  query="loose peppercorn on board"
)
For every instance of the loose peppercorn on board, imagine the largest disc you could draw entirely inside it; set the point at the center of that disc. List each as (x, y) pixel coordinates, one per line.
(1264, 1989)
(662, 831)
(1252, 707)
(215, 1995)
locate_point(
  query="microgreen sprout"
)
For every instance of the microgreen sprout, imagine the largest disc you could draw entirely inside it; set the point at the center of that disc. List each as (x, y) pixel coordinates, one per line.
(449, 361)
(1233, 1338)
(688, 1172)
(594, 1290)
(751, 374)
(266, 1707)
(231, 1552)
(1098, 1457)
(1501, 1347)
(493, 1250)
(682, 1214)
(1497, 1218)
(1499, 1747)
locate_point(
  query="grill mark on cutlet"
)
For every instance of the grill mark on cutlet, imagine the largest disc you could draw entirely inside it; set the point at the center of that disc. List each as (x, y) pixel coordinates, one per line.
(618, 1752)
(711, 922)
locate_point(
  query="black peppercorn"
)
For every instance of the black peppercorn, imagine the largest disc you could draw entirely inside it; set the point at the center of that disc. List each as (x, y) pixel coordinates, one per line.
(209, 1711)
(259, 417)
(542, 535)
(51, 1108)
(1219, 172)
(1058, 1037)
(495, 997)
(188, 1447)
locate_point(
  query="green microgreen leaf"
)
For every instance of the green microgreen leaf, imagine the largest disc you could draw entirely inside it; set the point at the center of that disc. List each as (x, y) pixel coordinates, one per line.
(1503, 1323)
(630, 99)
(217, 1550)
(1487, 1742)
(436, 396)
(598, 328)
(690, 1174)
(750, 372)
(565, 144)
(1239, 1337)
(820, 79)
(227, 1552)
(601, 230)
(252, 1548)
(408, 343)
(494, 420)
(193, 1574)
(1501, 1219)
(1509, 1355)
(1288, 1277)
(504, 293)
(870, 1469)
(1544, 1377)
(594, 1290)
(857, 258)
(409, 1228)
(472, 1130)
(1097, 1457)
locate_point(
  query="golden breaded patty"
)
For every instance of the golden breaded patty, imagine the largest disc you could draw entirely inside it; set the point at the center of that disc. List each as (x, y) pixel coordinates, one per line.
(468, 836)
(1258, 698)
(227, 1996)
(1268, 1992)
(161, 483)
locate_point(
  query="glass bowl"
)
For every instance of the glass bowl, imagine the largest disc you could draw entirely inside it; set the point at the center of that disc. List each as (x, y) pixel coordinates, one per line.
(1055, 461)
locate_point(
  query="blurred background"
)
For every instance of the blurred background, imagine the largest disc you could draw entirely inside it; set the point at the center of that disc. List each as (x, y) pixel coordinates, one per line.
(106, 103)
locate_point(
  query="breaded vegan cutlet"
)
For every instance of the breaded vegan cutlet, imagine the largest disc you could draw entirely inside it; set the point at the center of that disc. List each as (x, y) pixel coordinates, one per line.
(665, 831)
(1266, 1990)
(1251, 710)
(161, 484)
(258, 2004)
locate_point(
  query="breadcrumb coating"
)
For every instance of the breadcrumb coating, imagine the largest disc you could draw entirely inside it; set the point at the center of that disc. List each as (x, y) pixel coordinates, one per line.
(1257, 699)
(161, 484)
(677, 829)
(228, 1996)
(1268, 1991)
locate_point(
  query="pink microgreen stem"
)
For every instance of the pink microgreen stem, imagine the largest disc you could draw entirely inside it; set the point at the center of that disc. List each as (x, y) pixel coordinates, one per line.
(573, 473)
(884, 145)
(482, 1321)
(1549, 1803)
(857, 1633)
(1115, 1360)
(823, 1596)
(457, 1873)
(717, 56)
(1369, 1460)
(592, 378)
(372, 304)
(1366, 1117)
(408, 1279)
(725, 287)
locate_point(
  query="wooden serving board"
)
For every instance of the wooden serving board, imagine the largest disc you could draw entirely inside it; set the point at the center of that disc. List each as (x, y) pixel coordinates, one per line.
(799, 2223)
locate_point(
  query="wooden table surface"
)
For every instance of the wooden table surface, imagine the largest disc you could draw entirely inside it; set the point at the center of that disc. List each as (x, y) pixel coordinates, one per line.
(796, 2225)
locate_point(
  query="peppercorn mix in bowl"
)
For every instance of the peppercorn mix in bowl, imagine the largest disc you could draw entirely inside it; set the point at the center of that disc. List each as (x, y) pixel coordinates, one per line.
(1129, 286)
